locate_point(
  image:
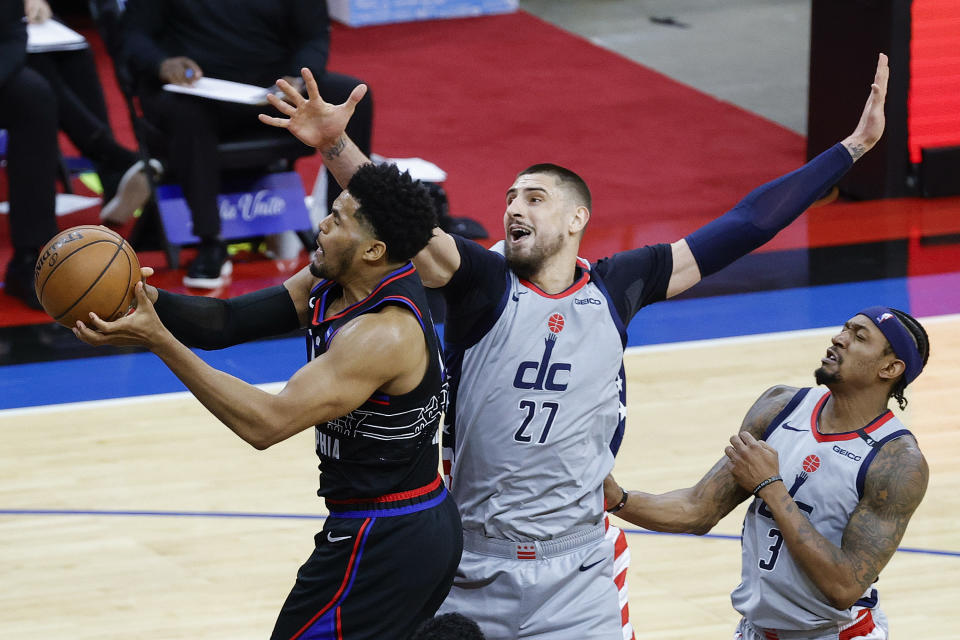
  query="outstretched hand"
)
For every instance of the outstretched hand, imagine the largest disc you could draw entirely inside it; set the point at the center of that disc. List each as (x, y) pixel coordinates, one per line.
(872, 120)
(141, 328)
(312, 120)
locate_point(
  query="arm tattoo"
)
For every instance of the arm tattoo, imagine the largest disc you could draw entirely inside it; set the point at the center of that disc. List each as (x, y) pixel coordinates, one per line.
(857, 150)
(336, 149)
(719, 484)
(765, 409)
(895, 485)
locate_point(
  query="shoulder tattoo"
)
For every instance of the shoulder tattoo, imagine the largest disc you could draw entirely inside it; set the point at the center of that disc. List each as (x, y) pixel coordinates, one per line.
(766, 408)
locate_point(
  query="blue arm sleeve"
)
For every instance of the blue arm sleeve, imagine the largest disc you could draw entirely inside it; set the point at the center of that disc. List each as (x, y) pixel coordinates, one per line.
(765, 211)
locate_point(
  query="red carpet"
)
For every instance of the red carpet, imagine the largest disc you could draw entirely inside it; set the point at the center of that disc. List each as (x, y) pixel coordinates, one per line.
(485, 97)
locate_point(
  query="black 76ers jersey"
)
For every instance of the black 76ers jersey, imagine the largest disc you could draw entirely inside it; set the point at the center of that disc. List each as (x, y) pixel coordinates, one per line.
(825, 474)
(389, 443)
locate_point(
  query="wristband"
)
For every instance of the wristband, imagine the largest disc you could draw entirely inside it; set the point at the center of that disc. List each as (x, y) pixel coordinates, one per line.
(770, 480)
(619, 505)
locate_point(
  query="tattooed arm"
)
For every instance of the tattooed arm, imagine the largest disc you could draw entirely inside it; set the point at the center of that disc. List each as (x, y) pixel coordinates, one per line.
(894, 487)
(698, 508)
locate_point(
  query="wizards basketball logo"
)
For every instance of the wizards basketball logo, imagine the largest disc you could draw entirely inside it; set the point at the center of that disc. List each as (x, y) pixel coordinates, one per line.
(544, 375)
(555, 323)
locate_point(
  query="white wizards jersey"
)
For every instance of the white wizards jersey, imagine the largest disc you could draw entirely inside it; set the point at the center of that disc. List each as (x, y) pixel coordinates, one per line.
(539, 399)
(825, 474)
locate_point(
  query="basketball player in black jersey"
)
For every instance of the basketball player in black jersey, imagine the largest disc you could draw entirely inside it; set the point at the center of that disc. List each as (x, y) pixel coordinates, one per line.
(374, 390)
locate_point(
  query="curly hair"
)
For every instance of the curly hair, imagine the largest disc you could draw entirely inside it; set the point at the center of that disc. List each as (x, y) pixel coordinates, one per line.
(397, 209)
(923, 346)
(448, 626)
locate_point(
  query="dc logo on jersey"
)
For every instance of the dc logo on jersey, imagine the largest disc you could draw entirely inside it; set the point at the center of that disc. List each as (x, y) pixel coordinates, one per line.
(544, 373)
(811, 463)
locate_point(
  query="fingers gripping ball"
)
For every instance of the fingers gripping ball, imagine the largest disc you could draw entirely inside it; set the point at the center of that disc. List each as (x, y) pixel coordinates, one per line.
(83, 269)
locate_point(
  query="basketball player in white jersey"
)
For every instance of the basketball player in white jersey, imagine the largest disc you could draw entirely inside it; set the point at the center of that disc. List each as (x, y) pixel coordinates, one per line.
(534, 342)
(835, 478)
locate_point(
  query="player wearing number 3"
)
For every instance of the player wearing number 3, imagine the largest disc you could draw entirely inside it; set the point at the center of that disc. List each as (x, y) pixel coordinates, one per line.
(835, 477)
(534, 347)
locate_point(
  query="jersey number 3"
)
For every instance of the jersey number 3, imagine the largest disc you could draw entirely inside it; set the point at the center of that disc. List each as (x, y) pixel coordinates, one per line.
(763, 510)
(532, 411)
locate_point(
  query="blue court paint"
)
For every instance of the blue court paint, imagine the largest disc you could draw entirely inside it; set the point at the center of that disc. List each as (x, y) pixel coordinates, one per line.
(762, 312)
(120, 376)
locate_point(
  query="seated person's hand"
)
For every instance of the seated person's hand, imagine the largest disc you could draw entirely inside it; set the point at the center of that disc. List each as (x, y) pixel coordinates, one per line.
(180, 70)
(37, 11)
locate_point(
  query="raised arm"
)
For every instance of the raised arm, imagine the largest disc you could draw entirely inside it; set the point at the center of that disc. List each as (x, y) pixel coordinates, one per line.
(697, 509)
(322, 125)
(372, 352)
(773, 206)
(895, 484)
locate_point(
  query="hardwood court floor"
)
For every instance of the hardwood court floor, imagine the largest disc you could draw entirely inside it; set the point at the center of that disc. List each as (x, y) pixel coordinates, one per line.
(164, 532)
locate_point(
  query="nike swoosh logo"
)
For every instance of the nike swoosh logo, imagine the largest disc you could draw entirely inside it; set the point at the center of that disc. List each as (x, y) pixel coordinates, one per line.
(789, 428)
(585, 567)
(331, 538)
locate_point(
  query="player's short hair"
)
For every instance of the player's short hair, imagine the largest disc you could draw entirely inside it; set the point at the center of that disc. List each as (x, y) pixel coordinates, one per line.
(923, 347)
(567, 178)
(397, 209)
(449, 626)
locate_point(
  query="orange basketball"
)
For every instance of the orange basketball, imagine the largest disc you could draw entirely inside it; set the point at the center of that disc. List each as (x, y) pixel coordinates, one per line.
(83, 269)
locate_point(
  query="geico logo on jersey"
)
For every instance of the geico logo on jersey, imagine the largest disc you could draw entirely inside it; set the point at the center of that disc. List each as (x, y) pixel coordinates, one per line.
(586, 301)
(847, 454)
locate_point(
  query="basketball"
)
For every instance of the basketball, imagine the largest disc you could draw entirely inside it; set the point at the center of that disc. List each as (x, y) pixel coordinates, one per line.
(83, 269)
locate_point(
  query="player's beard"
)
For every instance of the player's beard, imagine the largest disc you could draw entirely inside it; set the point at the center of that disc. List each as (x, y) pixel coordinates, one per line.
(824, 377)
(527, 264)
(334, 266)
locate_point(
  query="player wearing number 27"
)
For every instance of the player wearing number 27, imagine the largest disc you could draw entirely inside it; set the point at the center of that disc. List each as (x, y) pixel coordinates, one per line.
(835, 477)
(534, 347)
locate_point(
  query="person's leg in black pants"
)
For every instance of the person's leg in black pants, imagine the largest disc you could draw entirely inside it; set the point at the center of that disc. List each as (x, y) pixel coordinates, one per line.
(335, 88)
(28, 111)
(82, 113)
(192, 131)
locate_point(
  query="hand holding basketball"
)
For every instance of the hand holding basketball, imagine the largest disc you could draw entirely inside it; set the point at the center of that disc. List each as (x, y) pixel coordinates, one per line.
(142, 328)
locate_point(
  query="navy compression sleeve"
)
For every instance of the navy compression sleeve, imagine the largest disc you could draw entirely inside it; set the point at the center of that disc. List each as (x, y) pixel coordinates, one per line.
(765, 211)
(212, 323)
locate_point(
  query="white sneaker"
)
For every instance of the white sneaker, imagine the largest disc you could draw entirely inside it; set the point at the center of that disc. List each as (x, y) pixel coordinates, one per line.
(132, 194)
